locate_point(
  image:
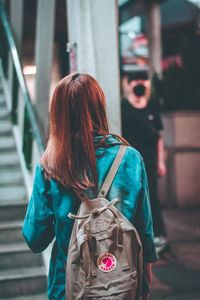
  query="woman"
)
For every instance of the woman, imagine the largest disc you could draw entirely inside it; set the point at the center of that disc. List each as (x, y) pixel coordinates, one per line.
(78, 155)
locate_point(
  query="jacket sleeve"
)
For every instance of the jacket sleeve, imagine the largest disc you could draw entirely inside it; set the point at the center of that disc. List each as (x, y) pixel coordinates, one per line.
(38, 228)
(143, 220)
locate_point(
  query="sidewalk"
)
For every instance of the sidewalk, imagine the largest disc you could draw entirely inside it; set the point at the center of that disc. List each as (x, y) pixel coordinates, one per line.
(179, 278)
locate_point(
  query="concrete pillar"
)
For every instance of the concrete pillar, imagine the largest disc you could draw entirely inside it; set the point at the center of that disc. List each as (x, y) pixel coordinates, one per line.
(44, 53)
(154, 34)
(16, 21)
(93, 27)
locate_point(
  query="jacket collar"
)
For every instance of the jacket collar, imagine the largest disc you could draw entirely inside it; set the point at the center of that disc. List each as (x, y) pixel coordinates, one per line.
(109, 140)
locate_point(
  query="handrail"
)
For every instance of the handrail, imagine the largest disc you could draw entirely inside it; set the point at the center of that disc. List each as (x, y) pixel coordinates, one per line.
(21, 80)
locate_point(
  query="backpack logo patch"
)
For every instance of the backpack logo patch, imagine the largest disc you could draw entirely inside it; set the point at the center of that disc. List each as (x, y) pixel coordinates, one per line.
(106, 262)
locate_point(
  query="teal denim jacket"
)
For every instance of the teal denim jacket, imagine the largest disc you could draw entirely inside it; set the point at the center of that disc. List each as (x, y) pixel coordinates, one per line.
(51, 202)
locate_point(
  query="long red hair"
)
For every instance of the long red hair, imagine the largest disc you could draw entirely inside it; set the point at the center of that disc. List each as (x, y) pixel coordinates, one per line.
(77, 113)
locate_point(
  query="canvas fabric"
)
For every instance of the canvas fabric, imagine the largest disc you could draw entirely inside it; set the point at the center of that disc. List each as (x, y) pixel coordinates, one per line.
(105, 253)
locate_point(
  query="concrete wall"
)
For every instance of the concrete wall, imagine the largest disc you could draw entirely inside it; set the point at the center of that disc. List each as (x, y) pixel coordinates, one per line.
(43, 58)
(181, 186)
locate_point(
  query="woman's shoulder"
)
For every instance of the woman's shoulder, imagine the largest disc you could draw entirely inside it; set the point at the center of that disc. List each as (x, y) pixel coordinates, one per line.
(113, 142)
(132, 158)
(39, 171)
(133, 154)
(40, 179)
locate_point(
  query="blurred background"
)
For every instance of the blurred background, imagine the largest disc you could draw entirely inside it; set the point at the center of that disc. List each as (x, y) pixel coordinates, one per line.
(41, 41)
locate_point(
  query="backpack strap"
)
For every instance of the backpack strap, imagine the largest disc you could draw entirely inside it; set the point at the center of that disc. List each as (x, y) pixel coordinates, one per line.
(113, 170)
(109, 178)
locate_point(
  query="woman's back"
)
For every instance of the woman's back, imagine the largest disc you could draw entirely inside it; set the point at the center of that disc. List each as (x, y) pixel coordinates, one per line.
(78, 156)
(50, 213)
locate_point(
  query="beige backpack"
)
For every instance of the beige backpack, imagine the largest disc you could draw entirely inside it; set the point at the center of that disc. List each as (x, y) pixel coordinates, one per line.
(105, 254)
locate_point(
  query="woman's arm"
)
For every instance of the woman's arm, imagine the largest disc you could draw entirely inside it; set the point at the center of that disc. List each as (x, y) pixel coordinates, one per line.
(148, 272)
(161, 157)
(144, 225)
(38, 228)
(143, 220)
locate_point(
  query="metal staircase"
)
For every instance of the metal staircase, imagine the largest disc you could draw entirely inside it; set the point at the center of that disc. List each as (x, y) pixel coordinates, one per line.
(22, 274)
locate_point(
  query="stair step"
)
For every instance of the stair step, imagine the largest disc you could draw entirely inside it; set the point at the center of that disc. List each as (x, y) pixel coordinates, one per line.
(7, 143)
(3, 103)
(24, 281)
(18, 255)
(11, 232)
(4, 114)
(5, 128)
(28, 297)
(12, 211)
(11, 177)
(9, 159)
(12, 194)
(2, 98)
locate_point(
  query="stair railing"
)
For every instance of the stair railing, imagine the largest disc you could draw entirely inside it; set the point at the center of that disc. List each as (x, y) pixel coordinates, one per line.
(28, 127)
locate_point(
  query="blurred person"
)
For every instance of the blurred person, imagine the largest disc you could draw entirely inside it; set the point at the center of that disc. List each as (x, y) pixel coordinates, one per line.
(78, 156)
(141, 127)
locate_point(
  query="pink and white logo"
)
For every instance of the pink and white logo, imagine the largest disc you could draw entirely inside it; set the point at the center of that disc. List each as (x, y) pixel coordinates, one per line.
(106, 262)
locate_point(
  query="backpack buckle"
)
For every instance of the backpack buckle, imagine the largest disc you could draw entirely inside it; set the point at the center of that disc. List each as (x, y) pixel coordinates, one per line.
(95, 213)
